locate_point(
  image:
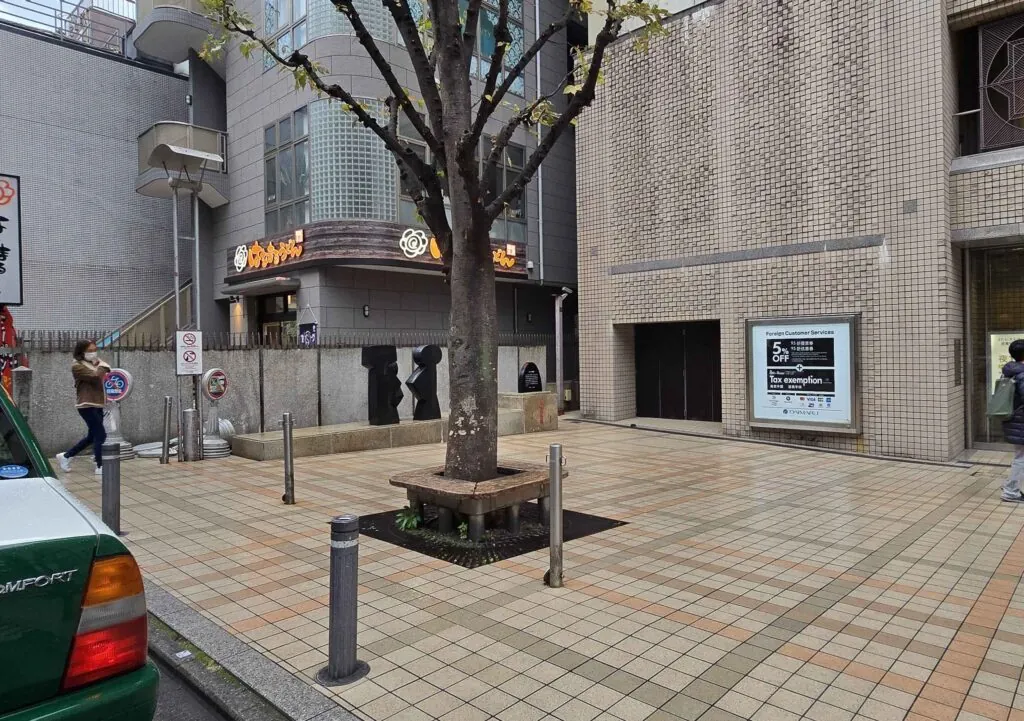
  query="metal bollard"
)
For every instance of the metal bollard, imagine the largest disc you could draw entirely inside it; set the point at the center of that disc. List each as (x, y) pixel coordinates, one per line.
(289, 461)
(111, 486)
(165, 451)
(189, 435)
(342, 665)
(554, 574)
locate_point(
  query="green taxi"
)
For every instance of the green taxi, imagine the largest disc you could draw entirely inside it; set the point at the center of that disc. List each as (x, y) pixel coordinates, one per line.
(73, 633)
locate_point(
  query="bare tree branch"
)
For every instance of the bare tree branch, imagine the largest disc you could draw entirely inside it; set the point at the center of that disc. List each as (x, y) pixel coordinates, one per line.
(470, 30)
(579, 101)
(393, 109)
(422, 63)
(348, 9)
(504, 136)
(490, 101)
(502, 38)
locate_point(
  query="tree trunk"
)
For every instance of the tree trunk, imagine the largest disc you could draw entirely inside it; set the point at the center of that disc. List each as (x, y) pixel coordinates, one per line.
(472, 453)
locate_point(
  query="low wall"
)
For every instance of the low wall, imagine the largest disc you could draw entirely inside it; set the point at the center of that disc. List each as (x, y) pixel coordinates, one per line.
(319, 386)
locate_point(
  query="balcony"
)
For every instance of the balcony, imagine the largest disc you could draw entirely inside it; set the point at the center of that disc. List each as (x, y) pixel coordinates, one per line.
(102, 24)
(205, 145)
(168, 29)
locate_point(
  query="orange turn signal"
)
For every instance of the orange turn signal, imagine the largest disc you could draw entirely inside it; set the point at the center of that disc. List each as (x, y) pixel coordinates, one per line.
(111, 579)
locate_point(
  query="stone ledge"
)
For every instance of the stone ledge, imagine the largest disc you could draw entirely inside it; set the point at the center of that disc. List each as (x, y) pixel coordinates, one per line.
(540, 410)
(349, 437)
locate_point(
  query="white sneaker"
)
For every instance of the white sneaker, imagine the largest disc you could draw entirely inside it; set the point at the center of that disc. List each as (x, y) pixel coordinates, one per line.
(99, 470)
(64, 462)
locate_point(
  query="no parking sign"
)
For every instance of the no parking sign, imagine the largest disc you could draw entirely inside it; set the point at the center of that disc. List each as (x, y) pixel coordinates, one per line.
(117, 384)
(188, 351)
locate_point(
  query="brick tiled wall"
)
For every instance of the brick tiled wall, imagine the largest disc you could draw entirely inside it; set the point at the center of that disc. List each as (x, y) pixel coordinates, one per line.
(755, 125)
(95, 251)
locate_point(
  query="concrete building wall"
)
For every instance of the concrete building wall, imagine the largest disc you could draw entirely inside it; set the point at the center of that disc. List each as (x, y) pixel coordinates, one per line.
(324, 386)
(752, 127)
(95, 251)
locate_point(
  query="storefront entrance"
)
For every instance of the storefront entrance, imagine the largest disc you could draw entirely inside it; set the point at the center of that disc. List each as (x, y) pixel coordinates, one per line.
(678, 371)
(995, 318)
(277, 318)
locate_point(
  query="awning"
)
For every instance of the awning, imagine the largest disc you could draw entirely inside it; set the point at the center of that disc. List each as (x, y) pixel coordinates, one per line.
(263, 286)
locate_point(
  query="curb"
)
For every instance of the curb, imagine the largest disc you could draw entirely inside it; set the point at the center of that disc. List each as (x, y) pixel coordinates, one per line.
(203, 675)
(240, 681)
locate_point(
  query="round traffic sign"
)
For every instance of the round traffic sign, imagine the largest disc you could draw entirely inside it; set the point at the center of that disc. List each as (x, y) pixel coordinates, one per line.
(117, 384)
(215, 384)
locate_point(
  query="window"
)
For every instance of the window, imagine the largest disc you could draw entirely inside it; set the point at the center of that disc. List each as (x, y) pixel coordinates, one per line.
(286, 172)
(14, 449)
(511, 224)
(284, 21)
(486, 41)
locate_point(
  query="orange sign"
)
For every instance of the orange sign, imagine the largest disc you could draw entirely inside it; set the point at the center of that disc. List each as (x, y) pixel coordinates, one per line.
(502, 257)
(262, 257)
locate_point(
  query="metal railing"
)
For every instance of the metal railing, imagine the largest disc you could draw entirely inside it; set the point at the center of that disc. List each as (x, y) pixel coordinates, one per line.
(156, 320)
(102, 24)
(64, 340)
(195, 137)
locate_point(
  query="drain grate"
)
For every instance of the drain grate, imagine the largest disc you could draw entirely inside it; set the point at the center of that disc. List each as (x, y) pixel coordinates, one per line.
(497, 543)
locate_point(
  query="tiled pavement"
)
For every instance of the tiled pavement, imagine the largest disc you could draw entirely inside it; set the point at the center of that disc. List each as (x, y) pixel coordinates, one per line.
(752, 582)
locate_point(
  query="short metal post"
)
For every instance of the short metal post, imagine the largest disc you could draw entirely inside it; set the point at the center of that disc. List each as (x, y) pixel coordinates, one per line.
(165, 451)
(111, 486)
(342, 665)
(555, 494)
(289, 461)
(189, 435)
(21, 383)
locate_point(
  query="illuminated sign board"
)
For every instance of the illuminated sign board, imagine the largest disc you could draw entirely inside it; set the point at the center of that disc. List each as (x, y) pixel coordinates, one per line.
(257, 255)
(415, 243)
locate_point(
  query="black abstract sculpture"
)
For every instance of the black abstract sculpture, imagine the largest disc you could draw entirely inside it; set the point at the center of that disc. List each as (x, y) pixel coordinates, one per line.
(423, 383)
(384, 390)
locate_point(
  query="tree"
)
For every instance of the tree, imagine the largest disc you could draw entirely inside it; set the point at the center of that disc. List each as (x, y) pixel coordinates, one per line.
(451, 117)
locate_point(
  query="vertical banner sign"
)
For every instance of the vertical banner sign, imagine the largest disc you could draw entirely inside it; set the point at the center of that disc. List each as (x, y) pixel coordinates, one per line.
(307, 335)
(188, 349)
(10, 240)
(8, 357)
(802, 372)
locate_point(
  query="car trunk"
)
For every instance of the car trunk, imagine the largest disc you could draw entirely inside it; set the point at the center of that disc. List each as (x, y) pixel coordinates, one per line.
(46, 551)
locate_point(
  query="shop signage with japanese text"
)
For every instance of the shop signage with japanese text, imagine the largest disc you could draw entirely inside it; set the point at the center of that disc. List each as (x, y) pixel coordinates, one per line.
(10, 240)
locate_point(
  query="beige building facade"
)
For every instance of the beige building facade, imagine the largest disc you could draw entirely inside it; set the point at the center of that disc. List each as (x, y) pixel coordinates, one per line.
(772, 162)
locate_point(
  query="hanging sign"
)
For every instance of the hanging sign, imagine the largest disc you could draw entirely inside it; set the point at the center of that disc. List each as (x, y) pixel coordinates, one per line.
(215, 384)
(10, 240)
(307, 335)
(117, 384)
(188, 349)
(802, 373)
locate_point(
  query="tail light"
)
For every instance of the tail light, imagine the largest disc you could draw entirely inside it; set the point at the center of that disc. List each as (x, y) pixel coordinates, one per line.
(112, 632)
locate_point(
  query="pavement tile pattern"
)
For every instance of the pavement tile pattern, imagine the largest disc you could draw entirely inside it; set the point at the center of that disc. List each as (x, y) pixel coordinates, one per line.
(752, 582)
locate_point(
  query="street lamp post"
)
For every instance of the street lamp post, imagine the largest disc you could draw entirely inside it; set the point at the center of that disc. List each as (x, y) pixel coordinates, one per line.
(185, 167)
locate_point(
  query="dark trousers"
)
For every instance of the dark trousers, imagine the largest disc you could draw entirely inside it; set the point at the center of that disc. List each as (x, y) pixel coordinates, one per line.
(97, 434)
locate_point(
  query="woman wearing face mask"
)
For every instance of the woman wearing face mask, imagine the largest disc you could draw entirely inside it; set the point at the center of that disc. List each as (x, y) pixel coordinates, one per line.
(88, 371)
